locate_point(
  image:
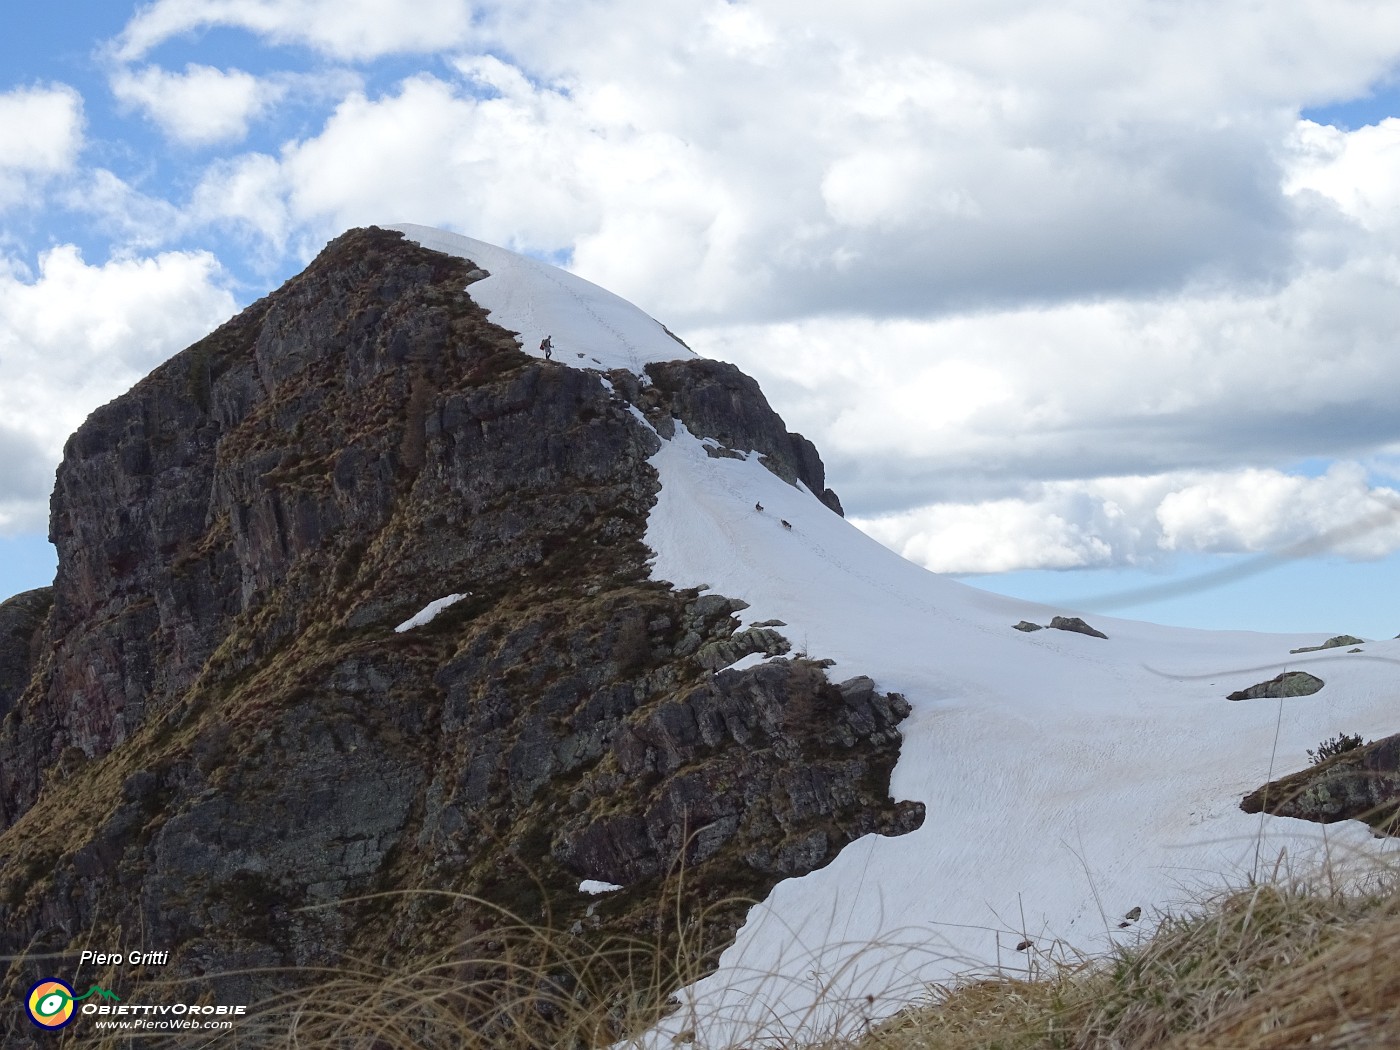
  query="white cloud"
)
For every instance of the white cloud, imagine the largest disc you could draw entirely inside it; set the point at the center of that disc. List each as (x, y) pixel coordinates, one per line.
(502, 166)
(1357, 171)
(200, 106)
(249, 191)
(77, 335)
(136, 220)
(1138, 521)
(41, 133)
(942, 408)
(771, 160)
(353, 29)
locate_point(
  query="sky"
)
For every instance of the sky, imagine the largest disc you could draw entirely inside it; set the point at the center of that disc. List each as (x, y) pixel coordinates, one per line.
(1075, 298)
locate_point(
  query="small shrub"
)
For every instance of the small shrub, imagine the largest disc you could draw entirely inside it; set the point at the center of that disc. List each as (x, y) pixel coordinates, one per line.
(1337, 745)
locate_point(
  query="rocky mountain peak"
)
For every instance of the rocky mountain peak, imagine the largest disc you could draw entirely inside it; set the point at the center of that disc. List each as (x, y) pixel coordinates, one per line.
(210, 722)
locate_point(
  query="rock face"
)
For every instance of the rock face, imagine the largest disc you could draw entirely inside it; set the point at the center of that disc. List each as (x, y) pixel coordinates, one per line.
(215, 725)
(1290, 683)
(1360, 784)
(715, 400)
(21, 622)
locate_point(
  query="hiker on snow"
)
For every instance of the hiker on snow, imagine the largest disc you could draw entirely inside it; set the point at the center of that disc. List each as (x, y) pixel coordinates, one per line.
(547, 345)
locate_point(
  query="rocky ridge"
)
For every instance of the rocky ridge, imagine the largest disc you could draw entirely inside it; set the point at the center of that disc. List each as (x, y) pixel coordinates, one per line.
(209, 723)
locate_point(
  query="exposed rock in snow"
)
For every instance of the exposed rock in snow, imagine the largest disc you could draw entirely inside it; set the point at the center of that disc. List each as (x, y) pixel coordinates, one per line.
(1075, 624)
(1289, 683)
(724, 652)
(1331, 643)
(1361, 784)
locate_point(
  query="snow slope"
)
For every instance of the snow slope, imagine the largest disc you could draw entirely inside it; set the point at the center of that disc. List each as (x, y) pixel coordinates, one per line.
(590, 327)
(1067, 779)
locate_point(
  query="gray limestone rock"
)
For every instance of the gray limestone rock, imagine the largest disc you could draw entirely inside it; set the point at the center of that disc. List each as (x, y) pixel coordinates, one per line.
(1075, 624)
(724, 652)
(1289, 683)
(715, 400)
(1331, 643)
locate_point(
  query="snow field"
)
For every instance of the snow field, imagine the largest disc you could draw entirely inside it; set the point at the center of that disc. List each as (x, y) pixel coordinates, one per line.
(1068, 779)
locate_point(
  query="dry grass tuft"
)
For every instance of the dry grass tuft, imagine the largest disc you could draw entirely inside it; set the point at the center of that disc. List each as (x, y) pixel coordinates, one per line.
(512, 986)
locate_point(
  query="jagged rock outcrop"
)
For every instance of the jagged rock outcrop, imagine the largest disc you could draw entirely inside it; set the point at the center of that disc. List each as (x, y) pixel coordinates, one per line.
(1075, 625)
(1026, 626)
(772, 765)
(1360, 784)
(748, 642)
(715, 400)
(219, 726)
(1289, 683)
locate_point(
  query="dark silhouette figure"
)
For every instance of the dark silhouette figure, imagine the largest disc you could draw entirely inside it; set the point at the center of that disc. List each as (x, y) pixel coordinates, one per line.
(547, 345)
(786, 524)
(758, 507)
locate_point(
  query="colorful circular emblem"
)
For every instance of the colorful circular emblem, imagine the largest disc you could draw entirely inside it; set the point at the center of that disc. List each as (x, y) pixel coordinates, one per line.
(50, 1003)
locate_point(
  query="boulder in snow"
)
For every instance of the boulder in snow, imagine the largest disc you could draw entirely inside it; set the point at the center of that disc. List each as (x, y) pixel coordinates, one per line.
(1075, 624)
(1290, 683)
(1331, 643)
(1361, 784)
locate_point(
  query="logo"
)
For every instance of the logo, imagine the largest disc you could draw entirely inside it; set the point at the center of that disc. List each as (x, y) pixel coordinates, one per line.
(50, 1002)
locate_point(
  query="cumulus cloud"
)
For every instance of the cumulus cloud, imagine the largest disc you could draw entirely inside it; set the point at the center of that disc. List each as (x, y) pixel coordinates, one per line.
(136, 220)
(478, 153)
(1140, 521)
(41, 133)
(1356, 171)
(200, 106)
(906, 162)
(949, 408)
(352, 29)
(899, 164)
(76, 335)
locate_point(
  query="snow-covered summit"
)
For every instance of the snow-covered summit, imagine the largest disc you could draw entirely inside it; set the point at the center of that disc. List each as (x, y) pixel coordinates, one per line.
(590, 327)
(1070, 781)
